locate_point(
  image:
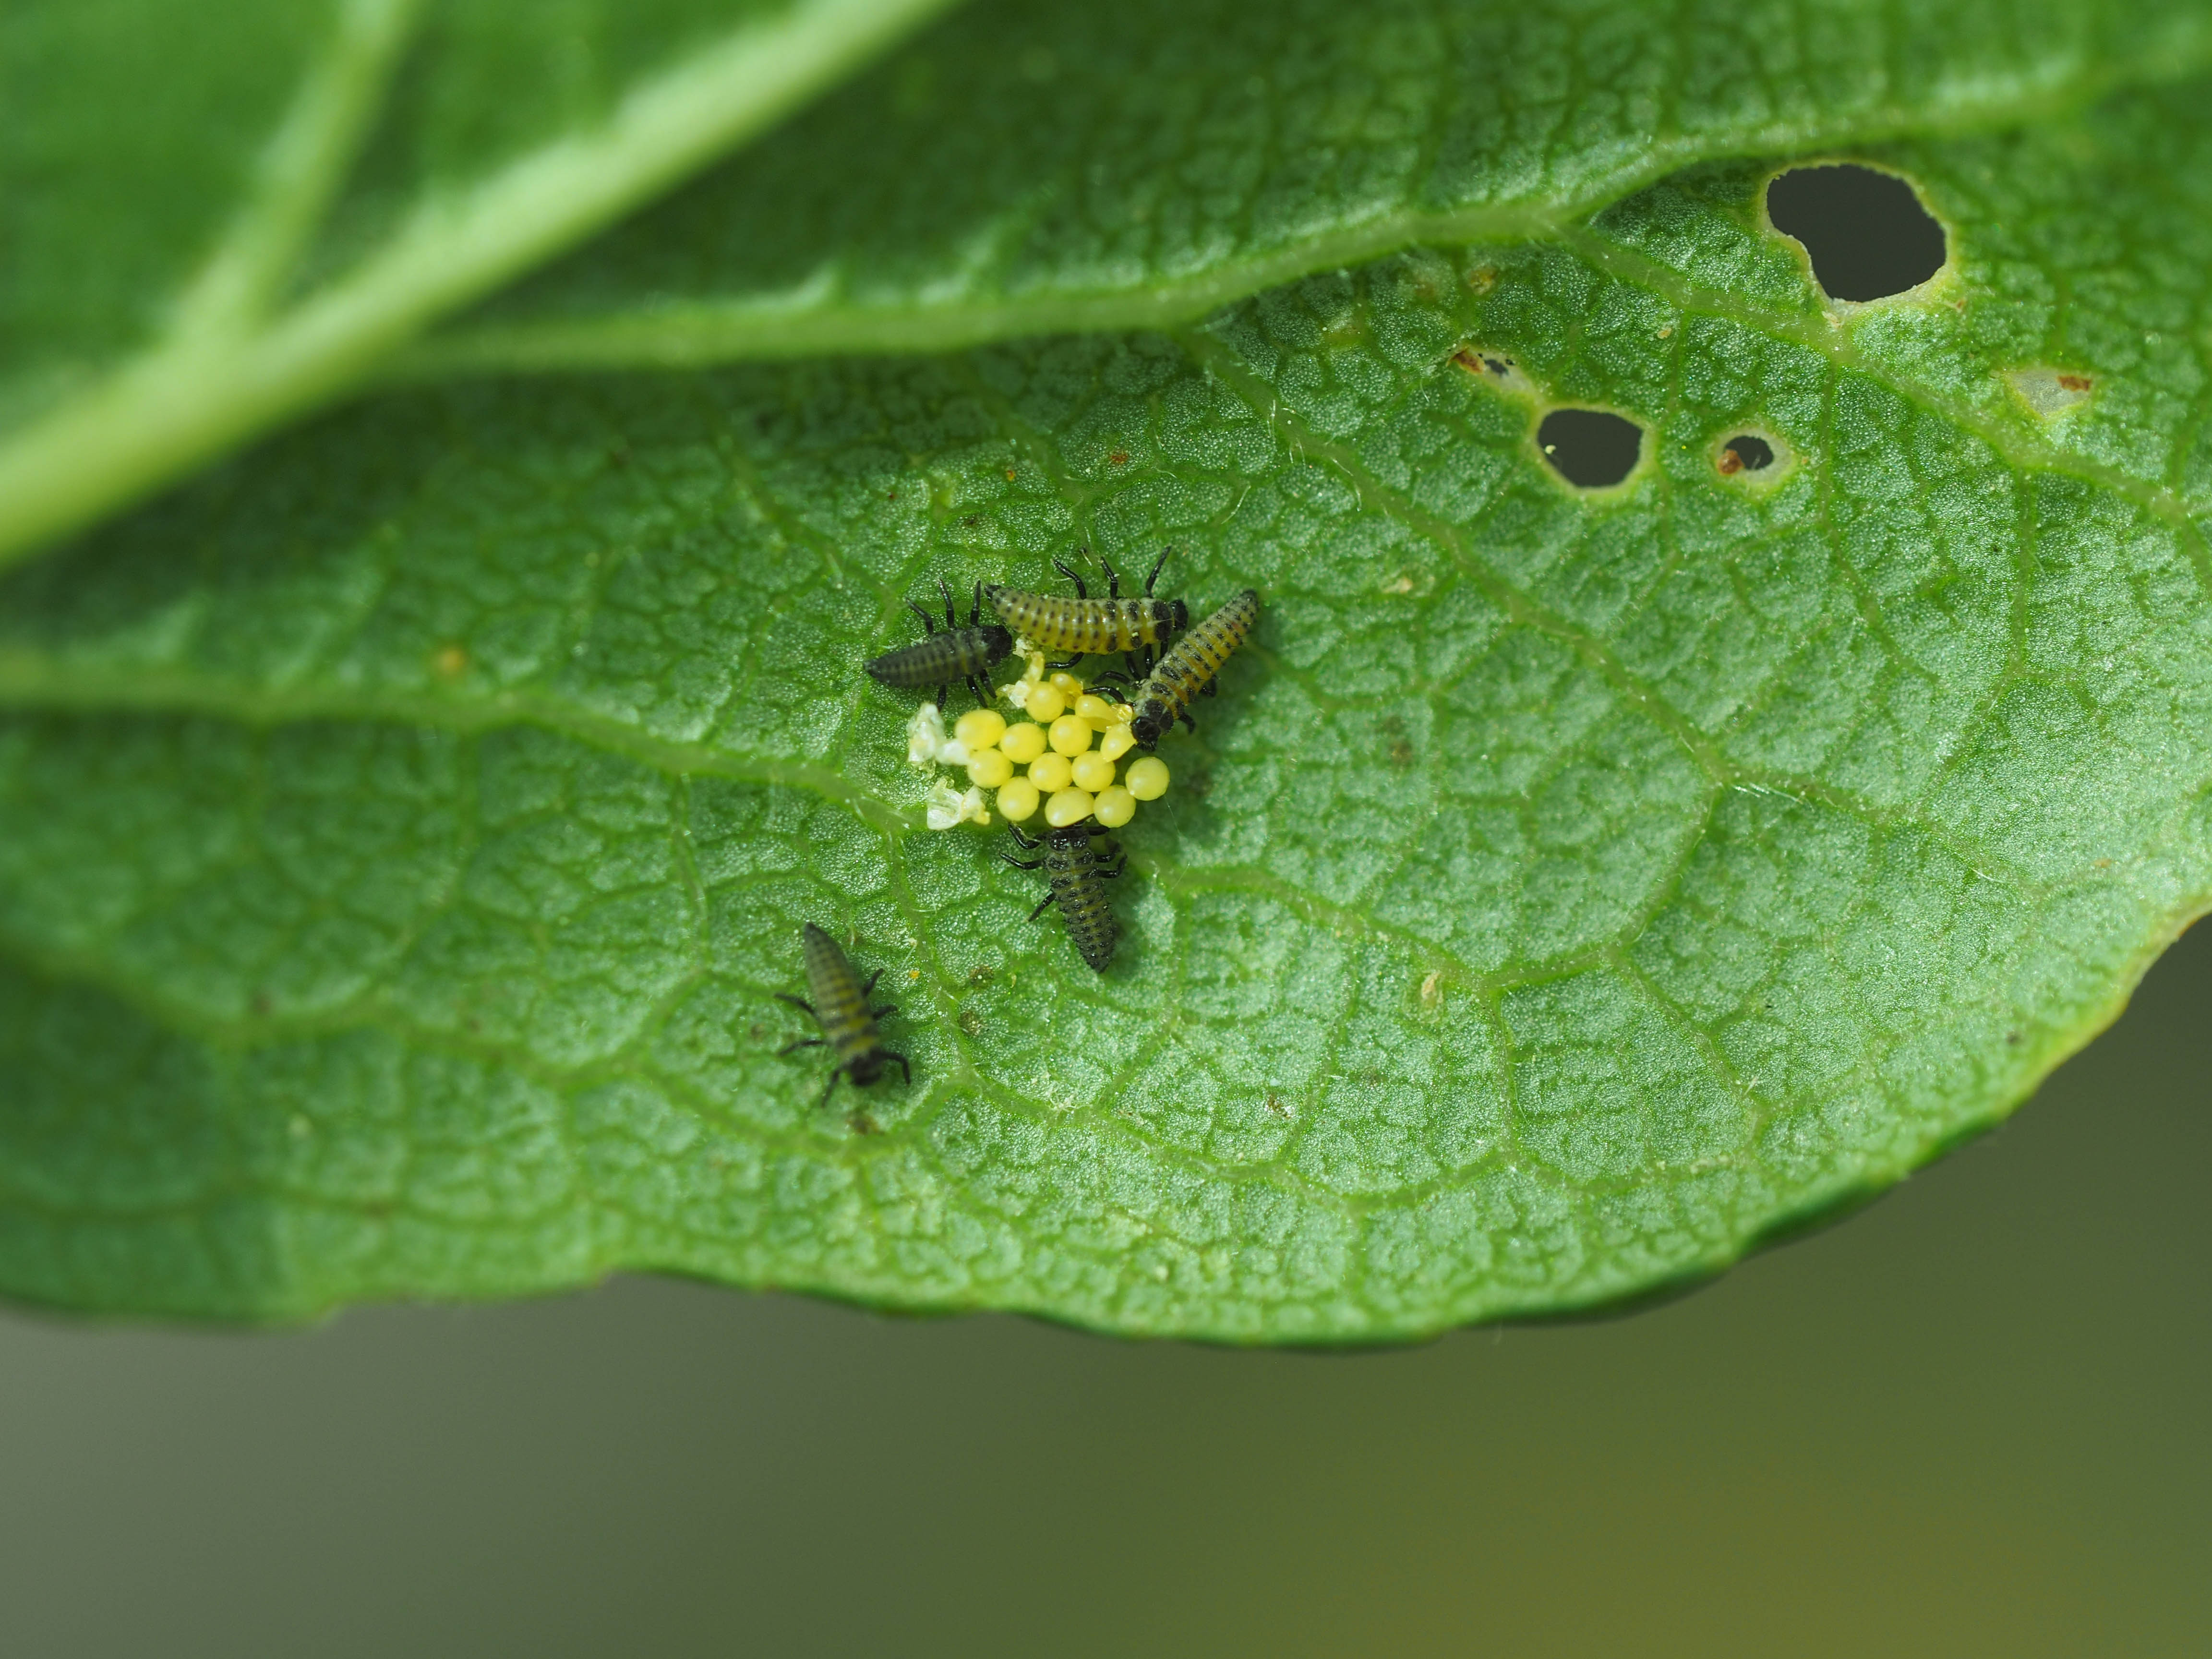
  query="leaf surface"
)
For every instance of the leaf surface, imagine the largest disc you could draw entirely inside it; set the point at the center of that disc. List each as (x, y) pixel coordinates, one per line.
(213, 229)
(403, 828)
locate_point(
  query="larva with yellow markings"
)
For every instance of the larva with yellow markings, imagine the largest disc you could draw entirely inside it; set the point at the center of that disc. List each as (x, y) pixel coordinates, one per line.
(839, 1007)
(1085, 627)
(1187, 669)
(1075, 870)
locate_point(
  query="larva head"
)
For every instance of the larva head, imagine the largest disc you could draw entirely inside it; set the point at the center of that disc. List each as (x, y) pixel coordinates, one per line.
(1153, 721)
(998, 642)
(866, 1068)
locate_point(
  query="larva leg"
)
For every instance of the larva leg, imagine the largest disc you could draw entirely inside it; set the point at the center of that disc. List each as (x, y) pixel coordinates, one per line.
(803, 1043)
(800, 1003)
(1043, 905)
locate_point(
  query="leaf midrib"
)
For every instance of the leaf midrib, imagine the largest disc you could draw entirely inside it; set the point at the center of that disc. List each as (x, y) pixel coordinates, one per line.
(812, 321)
(202, 389)
(199, 393)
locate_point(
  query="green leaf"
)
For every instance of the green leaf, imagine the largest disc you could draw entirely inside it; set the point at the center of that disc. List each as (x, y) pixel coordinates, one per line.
(1139, 166)
(212, 230)
(403, 828)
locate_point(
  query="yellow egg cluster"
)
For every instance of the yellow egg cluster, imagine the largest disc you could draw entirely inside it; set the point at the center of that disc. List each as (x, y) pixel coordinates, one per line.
(1062, 757)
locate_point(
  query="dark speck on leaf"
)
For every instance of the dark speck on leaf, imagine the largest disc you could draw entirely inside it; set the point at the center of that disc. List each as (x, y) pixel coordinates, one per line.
(2012, 1037)
(1120, 458)
(982, 973)
(969, 1021)
(861, 1124)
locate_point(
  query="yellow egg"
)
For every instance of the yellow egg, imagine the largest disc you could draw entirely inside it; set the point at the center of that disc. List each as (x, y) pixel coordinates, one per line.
(1017, 800)
(1115, 807)
(980, 728)
(1050, 772)
(1117, 741)
(1068, 806)
(1045, 704)
(1097, 710)
(1067, 685)
(1070, 735)
(1022, 743)
(1091, 771)
(1148, 778)
(989, 769)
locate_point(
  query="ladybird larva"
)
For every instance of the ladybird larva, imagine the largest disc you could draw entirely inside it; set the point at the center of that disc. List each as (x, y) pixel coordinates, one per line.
(967, 654)
(840, 1007)
(1085, 627)
(1188, 669)
(1074, 870)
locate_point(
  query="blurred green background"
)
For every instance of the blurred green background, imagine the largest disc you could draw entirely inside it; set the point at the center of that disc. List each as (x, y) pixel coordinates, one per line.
(1969, 1421)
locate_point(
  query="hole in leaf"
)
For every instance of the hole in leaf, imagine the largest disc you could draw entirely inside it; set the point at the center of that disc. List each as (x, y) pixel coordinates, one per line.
(1866, 234)
(1745, 452)
(1591, 448)
(2052, 391)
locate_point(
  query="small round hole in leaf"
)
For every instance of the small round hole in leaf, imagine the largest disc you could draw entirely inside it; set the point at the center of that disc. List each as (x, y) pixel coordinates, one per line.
(1866, 231)
(1591, 448)
(1745, 452)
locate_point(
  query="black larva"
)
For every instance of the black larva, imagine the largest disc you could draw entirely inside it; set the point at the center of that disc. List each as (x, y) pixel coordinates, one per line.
(839, 1007)
(959, 654)
(1083, 626)
(1074, 867)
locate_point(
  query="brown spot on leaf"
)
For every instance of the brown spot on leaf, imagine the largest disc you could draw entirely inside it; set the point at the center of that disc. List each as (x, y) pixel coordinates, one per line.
(1119, 458)
(982, 973)
(1481, 280)
(1729, 464)
(861, 1124)
(451, 660)
(2076, 382)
